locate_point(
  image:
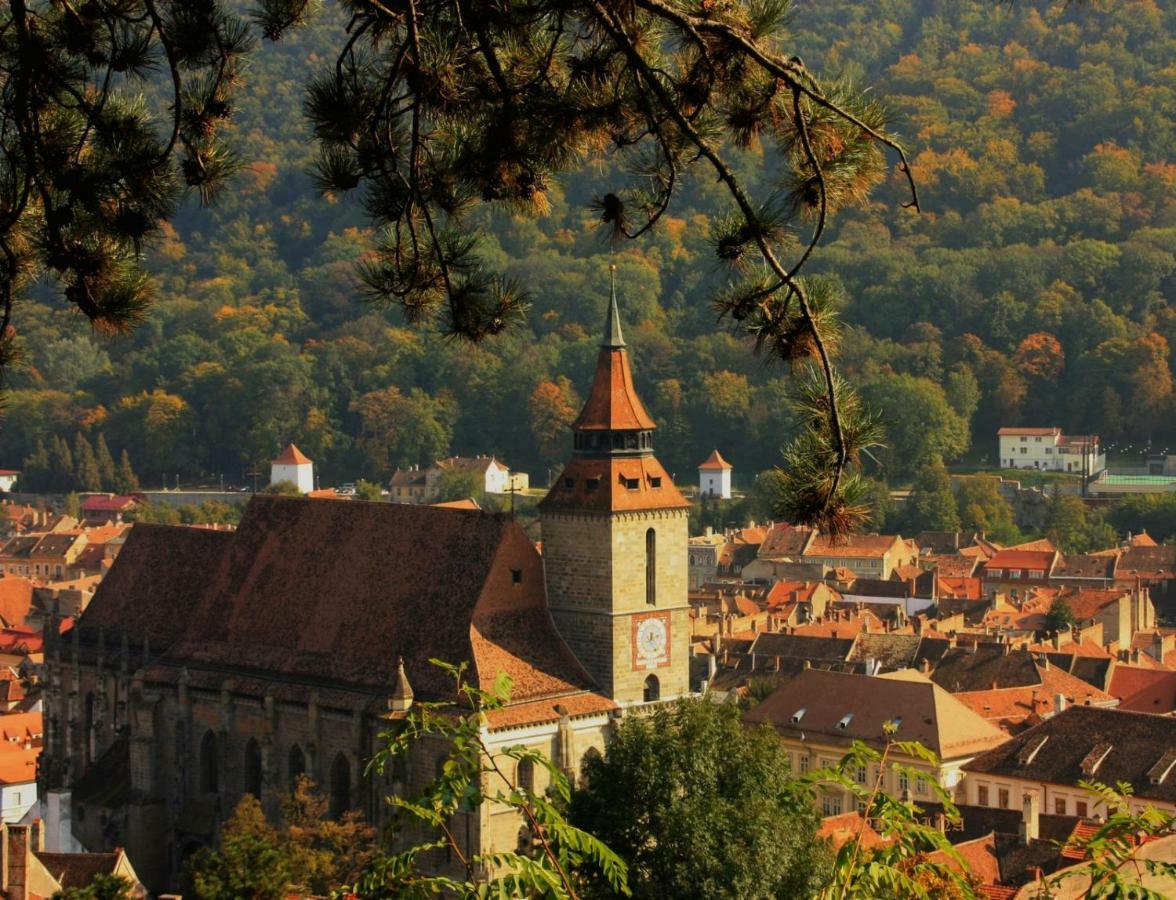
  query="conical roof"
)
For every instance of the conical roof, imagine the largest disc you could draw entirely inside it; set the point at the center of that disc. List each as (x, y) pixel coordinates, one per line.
(292, 456)
(716, 461)
(613, 404)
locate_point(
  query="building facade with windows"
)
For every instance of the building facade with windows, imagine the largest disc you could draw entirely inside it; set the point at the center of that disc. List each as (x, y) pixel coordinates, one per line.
(819, 714)
(1051, 450)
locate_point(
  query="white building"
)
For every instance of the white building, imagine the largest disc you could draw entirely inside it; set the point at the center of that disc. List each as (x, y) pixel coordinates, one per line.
(1048, 449)
(714, 477)
(293, 466)
(8, 478)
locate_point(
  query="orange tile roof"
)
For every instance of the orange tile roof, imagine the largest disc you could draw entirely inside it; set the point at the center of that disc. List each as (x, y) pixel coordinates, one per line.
(853, 545)
(1029, 432)
(613, 404)
(715, 461)
(978, 856)
(959, 588)
(603, 484)
(1021, 559)
(16, 599)
(1041, 544)
(542, 711)
(18, 727)
(1086, 603)
(1143, 539)
(467, 503)
(840, 830)
(1144, 689)
(18, 765)
(292, 456)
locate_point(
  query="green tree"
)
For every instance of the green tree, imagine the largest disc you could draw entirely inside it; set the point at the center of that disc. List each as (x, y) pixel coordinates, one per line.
(107, 473)
(368, 490)
(932, 504)
(125, 480)
(1066, 523)
(87, 474)
(283, 488)
(699, 806)
(102, 887)
(982, 508)
(1060, 617)
(920, 425)
(250, 861)
(61, 466)
(36, 470)
(461, 484)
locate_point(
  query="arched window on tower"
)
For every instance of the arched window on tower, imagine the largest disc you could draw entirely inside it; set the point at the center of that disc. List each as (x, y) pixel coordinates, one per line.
(296, 765)
(209, 764)
(253, 768)
(652, 689)
(525, 776)
(651, 567)
(340, 786)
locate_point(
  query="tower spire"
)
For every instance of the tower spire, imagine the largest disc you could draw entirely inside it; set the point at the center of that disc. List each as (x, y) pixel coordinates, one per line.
(613, 339)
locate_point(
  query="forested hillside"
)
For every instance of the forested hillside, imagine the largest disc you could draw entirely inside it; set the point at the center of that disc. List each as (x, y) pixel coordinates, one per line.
(1035, 288)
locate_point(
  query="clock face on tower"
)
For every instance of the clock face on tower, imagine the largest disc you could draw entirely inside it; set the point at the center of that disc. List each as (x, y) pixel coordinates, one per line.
(651, 640)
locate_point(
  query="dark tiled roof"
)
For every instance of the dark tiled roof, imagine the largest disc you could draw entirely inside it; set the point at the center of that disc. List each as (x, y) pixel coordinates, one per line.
(892, 651)
(783, 539)
(798, 646)
(965, 669)
(152, 589)
(1137, 740)
(306, 591)
(1148, 562)
(77, 870)
(1086, 567)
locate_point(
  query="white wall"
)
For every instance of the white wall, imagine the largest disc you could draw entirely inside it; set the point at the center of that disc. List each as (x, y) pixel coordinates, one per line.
(715, 483)
(301, 475)
(16, 799)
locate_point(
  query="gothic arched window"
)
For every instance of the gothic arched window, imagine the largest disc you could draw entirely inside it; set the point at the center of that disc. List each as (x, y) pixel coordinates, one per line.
(209, 764)
(652, 689)
(340, 786)
(525, 776)
(651, 567)
(253, 768)
(296, 765)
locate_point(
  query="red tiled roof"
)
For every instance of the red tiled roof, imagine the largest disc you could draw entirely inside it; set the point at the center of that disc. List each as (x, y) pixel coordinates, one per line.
(1143, 539)
(1029, 432)
(540, 711)
(301, 591)
(783, 539)
(959, 588)
(16, 599)
(840, 830)
(102, 503)
(292, 456)
(9, 471)
(1086, 603)
(1022, 559)
(613, 404)
(1142, 689)
(18, 727)
(715, 461)
(852, 545)
(603, 484)
(18, 765)
(978, 856)
(1042, 544)
(78, 870)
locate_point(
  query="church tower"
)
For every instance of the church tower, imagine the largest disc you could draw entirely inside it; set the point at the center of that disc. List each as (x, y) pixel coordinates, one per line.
(614, 542)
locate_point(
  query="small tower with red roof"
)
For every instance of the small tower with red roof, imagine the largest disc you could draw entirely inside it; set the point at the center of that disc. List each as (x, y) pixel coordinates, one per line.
(714, 477)
(614, 537)
(294, 466)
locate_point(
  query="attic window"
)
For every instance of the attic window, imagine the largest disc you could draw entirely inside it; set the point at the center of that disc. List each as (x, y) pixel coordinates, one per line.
(516, 576)
(1030, 750)
(633, 484)
(799, 714)
(845, 720)
(593, 484)
(569, 483)
(1157, 773)
(896, 722)
(655, 481)
(1094, 758)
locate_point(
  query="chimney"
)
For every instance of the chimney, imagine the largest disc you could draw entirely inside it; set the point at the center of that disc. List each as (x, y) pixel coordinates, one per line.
(1057, 640)
(712, 666)
(925, 666)
(1059, 703)
(1158, 646)
(709, 531)
(1030, 811)
(1135, 655)
(1045, 662)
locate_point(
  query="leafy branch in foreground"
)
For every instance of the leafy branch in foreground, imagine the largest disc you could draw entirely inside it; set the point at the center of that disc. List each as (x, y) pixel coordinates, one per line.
(87, 175)
(914, 859)
(547, 864)
(1113, 868)
(434, 107)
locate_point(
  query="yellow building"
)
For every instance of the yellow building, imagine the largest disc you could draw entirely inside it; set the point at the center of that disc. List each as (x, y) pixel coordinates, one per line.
(819, 714)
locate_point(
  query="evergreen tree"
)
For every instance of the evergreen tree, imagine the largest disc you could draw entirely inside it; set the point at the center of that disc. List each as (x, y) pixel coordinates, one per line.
(36, 471)
(61, 466)
(106, 467)
(932, 505)
(87, 475)
(125, 480)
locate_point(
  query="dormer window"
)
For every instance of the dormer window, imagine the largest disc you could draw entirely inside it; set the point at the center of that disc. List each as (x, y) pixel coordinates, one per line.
(632, 484)
(569, 483)
(845, 720)
(655, 481)
(799, 714)
(516, 576)
(593, 485)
